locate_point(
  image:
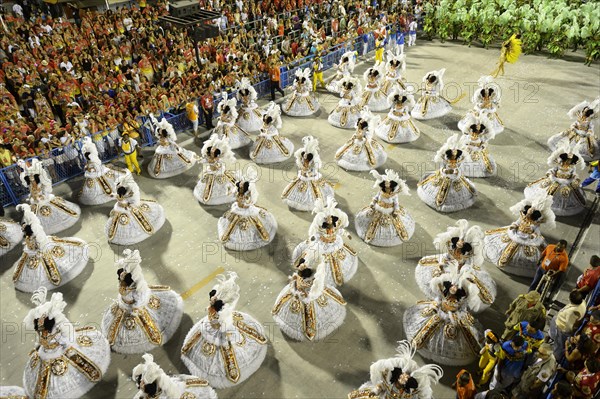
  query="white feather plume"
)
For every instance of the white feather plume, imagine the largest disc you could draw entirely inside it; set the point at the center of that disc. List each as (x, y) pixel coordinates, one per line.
(151, 372)
(214, 141)
(310, 146)
(539, 201)
(131, 263)
(232, 102)
(323, 210)
(410, 99)
(31, 219)
(565, 147)
(245, 83)
(52, 309)
(391, 176)
(578, 108)
(462, 279)
(318, 284)
(274, 111)
(439, 74)
(454, 142)
(88, 146)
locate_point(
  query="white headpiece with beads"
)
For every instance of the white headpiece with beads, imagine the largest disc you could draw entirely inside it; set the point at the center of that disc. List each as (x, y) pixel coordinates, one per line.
(232, 102)
(410, 99)
(246, 84)
(215, 142)
(439, 74)
(31, 219)
(461, 280)
(391, 56)
(391, 176)
(131, 264)
(480, 119)
(88, 146)
(150, 372)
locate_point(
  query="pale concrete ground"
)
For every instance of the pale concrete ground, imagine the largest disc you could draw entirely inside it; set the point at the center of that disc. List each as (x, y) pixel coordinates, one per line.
(537, 94)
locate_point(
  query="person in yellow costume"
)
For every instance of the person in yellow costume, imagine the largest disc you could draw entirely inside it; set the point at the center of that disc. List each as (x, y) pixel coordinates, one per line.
(191, 110)
(379, 48)
(510, 52)
(129, 147)
(317, 73)
(487, 358)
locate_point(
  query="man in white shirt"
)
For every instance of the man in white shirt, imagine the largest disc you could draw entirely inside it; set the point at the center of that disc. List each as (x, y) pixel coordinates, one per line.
(18, 10)
(412, 32)
(66, 64)
(562, 326)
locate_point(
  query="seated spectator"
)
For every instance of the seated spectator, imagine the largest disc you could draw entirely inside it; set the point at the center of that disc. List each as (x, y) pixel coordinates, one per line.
(592, 328)
(577, 350)
(586, 382)
(590, 277)
(563, 325)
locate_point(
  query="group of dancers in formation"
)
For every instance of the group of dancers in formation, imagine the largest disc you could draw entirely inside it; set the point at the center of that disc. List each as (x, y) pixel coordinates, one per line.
(227, 346)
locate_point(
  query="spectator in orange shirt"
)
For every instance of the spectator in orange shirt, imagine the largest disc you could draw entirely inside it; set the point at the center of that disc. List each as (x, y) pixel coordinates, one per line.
(275, 76)
(553, 262)
(464, 385)
(590, 277)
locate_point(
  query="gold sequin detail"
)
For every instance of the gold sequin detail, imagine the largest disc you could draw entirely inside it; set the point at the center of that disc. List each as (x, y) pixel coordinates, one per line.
(208, 349)
(84, 340)
(154, 302)
(58, 252)
(129, 323)
(59, 367)
(45, 210)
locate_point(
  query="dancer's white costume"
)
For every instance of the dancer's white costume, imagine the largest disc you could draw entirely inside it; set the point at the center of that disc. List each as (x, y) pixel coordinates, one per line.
(447, 190)
(480, 162)
(385, 223)
(169, 158)
(67, 361)
(132, 219)
(346, 113)
(246, 226)
(226, 125)
(344, 70)
(216, 184)
(303, 101)
(517, 248)
(309, 185)
(398, 126)
(581, 133)
(486, 101)
(270, 146)
(395, 68)
(11, 234)
(373, 96)
(153, 383)
(561, 181)
(308, 308)
(460, 246)
(143, 317)
(12, 392)
(250, 116)
(432, 104)
(443, 328)
(100, 185)
(226, 346)
(47, 261)
(55, 213)
(399, 377)
(326, 234)
(362, 152)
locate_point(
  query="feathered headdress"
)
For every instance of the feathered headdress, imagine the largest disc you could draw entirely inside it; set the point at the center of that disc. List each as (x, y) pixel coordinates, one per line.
(227, 291)
(372, 121)
(222, 144)
(165, 125)
(539, 201)
(479, 119)
(310, 146)
(569, 149)
(454, 143)
(391, 176)
(356, 86)
(244, 84)
(150, 372)
(379, 67)
(391, 56)
(89, 147)
(274, 111)
(473, 235)
(303, 73)
(397, 94)
(131, 264)
(52, 309)
(31, 219)
(487, 82)
(461, 280)
(35, 168)
(232, 102)
(129, 183)
(250, 176)
(323, 210)
(439, 75)
(351, 60)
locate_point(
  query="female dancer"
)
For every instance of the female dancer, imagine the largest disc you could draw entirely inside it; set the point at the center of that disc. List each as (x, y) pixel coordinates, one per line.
(398, 127)
(309, 185)
(169, 159)
(447, 190)
(55, 213)
(303, 101)
(47, 261)
(67, 361)
(226, 125)
(486, 101)
(373, 96)
(344, 70)
(143, 317)
(432, 104)
(394, 71)
(362, 152)
(11, 233)
(132, 219)
(479, 162)
(270, 146)
(226, 346)
(347, 112)
(517, 248)
(385, 223)
(216, 184)
(250, 117)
